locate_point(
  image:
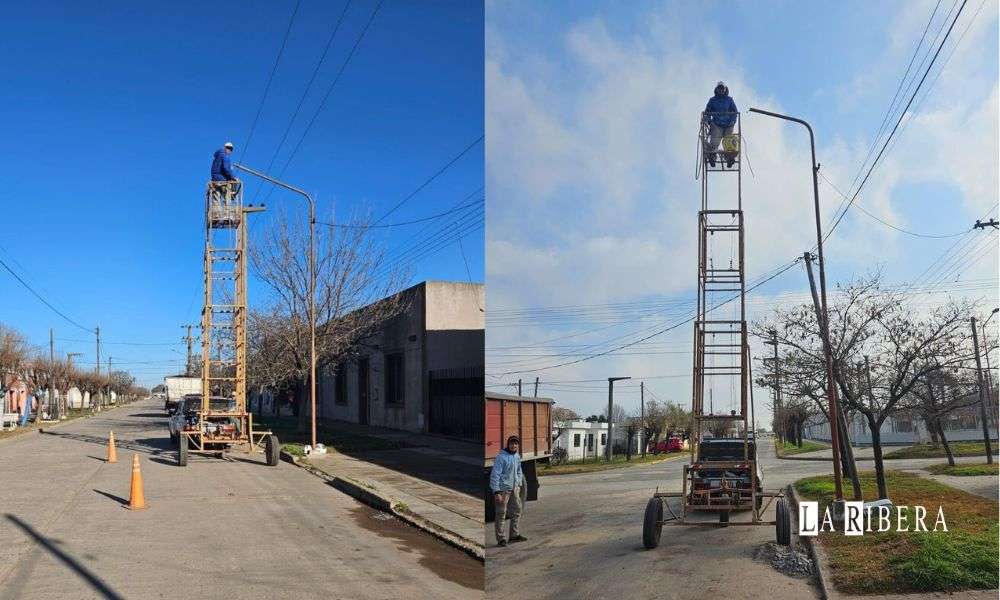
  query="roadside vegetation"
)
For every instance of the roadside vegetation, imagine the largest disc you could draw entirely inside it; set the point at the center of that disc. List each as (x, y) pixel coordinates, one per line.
(788, 447)
(964, 557)
(964, 470)
(293, 441)
(933, 451)
(618, 462)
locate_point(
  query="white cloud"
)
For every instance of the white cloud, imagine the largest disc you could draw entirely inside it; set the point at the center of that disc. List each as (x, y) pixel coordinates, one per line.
(590, 164)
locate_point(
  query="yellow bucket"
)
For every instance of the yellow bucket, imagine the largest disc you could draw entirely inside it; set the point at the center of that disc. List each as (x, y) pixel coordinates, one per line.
(731, 143)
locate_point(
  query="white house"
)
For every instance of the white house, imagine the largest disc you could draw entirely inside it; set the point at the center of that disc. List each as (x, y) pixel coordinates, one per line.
(582, 439)
(904, 428)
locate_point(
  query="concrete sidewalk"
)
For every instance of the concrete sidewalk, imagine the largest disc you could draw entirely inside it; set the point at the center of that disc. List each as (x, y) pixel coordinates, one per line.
(433, 483)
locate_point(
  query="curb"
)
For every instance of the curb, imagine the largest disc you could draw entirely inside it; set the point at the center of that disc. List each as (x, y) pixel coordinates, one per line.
(624, 466)
(41, 429)
(370, 495)
(817, 555)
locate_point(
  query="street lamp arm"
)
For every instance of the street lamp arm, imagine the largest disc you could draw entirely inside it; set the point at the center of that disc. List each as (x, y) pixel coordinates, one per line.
(276, 182)
(812, 142)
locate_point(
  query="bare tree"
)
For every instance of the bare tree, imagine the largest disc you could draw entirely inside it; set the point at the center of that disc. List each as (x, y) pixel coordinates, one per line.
(881, 350)
(563, 413)
(357, 292)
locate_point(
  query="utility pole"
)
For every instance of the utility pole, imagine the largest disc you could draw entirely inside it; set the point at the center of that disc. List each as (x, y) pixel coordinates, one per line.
(611, 411)
(982, 395)
(843, 454)
(188, 338)
(52, 366)
(992, 404)
(98, 363)
(642, 416)
(518, 387)
(779, 416)
(69, 371)
(991, 223)
(838, 502)
(536, 387)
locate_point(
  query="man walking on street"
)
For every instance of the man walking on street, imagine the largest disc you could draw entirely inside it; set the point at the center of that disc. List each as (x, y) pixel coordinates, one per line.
(507, 484)
(720, 116)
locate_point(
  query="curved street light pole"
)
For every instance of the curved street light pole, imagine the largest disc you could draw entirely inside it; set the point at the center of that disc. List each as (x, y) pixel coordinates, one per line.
(831, 390)
(312, 289)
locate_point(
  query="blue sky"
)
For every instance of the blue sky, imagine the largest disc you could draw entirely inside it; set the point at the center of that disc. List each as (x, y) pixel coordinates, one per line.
(111, 118)
(592, 113)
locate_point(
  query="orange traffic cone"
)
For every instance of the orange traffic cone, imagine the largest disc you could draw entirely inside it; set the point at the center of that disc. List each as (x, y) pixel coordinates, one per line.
(136, 499)
(112, 454)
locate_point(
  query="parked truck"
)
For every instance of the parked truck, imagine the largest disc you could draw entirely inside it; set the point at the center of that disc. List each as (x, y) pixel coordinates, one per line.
(530, 419)
(177, 388)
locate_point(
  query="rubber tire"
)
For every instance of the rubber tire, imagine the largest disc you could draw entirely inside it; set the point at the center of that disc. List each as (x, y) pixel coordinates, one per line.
(724, 519)
(272, 450)
(182, 451)
(783, 523)
(173, 438)
(652, 523)
(759, 502)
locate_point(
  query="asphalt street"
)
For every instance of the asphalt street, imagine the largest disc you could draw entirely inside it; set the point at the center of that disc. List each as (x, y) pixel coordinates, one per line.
(216, 528)
(585, 540)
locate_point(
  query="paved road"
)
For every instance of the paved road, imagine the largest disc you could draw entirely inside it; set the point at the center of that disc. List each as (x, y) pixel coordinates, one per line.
(585, 541)
(217, 528)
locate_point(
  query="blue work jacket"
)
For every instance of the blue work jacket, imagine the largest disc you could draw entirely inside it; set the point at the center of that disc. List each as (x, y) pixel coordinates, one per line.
(506, 473)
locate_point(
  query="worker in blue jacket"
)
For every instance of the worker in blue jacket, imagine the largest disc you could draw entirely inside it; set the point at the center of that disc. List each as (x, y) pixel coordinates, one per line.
(507, 484)
(720, 116)
(222, 165)
(224, 185)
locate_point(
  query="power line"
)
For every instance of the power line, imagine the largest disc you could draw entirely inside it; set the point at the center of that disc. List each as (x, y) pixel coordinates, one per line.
(890, 225)
(432, 177)
(43, 300)
(401, 223)
(305, 92)
(660, 332)
(326, 96)
(270, 78)
(874, 164)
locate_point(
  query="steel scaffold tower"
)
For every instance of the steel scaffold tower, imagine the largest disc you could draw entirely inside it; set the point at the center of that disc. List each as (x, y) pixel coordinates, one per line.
(721, 349)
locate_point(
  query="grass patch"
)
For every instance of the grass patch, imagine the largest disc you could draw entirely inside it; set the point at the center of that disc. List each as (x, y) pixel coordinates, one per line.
(294, 449)
(964, 557)
(930, 451)
(617, 462)
(286, 428)
(788, 448)
(966, 470)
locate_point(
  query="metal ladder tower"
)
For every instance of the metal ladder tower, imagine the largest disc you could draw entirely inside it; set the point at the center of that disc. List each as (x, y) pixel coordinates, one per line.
(721, 350)
(224, 315)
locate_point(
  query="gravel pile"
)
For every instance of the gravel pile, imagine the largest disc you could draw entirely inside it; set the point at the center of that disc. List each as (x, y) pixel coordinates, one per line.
(790, 560)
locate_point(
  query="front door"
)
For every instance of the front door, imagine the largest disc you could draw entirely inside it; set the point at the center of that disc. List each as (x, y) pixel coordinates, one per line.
(363, 391)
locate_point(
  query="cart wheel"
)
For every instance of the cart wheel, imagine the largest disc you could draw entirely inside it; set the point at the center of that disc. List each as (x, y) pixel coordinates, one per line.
(724, 519)
(173, 437)
(272, 450)
(182, 450)
(652, 524)
(783, 523)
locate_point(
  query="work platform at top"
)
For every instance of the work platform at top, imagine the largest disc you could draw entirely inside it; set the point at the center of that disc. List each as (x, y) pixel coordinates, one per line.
(721, 350)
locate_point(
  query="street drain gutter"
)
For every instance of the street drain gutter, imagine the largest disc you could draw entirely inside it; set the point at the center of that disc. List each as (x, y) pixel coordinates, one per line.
(369, 494)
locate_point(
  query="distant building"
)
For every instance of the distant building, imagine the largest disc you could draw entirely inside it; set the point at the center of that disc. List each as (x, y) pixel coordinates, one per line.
(16, 396)
(422, 372)
(904, 428)
(583, 439)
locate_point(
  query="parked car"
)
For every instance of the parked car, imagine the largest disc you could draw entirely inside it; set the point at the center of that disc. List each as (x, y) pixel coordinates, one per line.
(672, 444)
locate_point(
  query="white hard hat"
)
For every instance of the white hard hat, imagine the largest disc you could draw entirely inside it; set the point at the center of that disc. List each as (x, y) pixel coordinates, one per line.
(228, 144)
